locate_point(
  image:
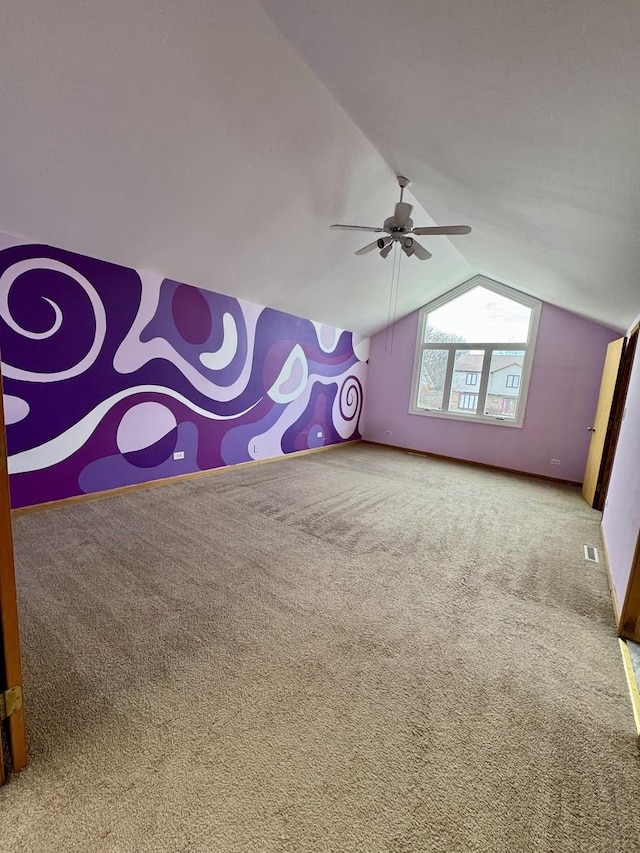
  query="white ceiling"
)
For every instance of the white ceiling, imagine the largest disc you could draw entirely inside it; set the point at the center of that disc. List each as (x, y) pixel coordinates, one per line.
(194, 140)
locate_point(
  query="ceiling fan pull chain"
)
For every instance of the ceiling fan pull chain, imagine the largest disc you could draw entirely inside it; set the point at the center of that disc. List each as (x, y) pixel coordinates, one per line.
(387, 342)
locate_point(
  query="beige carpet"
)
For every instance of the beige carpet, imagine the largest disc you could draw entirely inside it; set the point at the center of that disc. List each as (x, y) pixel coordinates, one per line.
(359, 650)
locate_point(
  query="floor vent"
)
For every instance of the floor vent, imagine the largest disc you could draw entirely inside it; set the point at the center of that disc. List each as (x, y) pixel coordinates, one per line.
(591, 554)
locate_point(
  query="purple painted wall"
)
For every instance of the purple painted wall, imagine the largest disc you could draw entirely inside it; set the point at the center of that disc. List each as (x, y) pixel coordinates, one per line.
(563, 393)
(621, 517)
(108, 371)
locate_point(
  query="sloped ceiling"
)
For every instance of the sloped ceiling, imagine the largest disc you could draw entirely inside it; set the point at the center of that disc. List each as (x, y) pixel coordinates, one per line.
(214, 142)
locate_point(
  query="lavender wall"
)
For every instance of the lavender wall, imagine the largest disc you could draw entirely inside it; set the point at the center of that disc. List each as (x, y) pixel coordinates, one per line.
(108, 371)
(621, 517)
(563, 393)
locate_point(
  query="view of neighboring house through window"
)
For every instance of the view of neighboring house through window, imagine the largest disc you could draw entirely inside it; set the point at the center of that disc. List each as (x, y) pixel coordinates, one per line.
(481, 334)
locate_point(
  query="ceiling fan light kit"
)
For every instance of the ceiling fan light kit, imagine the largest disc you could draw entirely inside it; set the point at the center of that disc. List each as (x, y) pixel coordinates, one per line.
(399, 227)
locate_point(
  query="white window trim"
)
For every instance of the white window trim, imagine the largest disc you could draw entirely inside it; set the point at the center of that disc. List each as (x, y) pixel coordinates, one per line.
(529, 346)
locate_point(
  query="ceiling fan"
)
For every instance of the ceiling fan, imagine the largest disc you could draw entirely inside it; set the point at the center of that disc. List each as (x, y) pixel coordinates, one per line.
(399, 229)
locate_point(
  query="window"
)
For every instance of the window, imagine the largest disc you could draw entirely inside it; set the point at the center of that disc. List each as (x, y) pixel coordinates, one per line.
(481, 334)
(468, 401)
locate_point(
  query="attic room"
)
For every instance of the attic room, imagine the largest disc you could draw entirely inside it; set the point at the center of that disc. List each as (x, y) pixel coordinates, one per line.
(310, 542)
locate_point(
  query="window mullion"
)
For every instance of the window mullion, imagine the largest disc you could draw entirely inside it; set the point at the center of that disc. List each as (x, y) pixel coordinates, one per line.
(484, 381)
(448, 378)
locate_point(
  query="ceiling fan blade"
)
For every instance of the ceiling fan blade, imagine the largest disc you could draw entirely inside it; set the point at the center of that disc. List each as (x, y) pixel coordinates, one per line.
(402, 213)
(368, 248)
(443, 229)
(356, 228)
(420, 251)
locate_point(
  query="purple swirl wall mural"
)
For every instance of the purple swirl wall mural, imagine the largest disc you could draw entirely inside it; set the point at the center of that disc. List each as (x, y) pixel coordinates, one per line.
(108, 372)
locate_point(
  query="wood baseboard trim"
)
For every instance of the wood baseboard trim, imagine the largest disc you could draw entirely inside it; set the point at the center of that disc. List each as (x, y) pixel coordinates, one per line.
(169, 481)
(471, 462)
(612, 589)
(632, 682)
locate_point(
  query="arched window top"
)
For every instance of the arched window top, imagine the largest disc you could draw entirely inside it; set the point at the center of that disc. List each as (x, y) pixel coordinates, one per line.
(479, 314)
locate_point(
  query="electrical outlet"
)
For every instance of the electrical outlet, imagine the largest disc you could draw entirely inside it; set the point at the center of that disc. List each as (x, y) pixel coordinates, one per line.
(178, 454)
(388, 432)
(555, 462)
(319, 434)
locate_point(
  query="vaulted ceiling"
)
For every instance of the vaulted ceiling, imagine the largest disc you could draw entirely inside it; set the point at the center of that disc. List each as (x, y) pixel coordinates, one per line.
(215, 142)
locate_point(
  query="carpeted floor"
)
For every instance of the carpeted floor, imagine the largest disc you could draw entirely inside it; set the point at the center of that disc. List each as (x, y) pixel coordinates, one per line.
(359, 650)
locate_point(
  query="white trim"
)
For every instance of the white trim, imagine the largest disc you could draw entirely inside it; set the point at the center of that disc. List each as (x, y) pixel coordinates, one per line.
(528, 346)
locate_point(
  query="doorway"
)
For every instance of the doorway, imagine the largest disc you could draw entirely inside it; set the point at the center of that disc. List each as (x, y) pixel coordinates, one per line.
(608, 419)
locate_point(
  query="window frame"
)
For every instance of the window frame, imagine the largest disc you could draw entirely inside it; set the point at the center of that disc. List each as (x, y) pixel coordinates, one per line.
(515, 381)
(528, 346)
(474, 379)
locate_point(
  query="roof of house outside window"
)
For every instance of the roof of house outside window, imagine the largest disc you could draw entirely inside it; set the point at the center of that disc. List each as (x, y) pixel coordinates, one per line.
(472, 363)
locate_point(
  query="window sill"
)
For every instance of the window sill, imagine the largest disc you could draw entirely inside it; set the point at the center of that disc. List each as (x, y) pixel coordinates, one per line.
(487, 420)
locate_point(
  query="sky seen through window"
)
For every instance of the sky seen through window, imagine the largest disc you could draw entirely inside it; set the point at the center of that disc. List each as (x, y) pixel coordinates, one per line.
(480, 316)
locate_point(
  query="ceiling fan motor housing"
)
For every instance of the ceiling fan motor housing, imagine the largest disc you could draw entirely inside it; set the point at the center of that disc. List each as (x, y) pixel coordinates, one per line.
(391, 225)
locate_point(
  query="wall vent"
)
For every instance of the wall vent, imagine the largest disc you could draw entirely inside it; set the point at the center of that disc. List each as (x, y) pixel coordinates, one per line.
(591, 554)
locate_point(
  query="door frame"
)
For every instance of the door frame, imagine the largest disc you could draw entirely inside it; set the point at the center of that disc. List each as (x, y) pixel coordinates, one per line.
(629, 623)
(10, 657)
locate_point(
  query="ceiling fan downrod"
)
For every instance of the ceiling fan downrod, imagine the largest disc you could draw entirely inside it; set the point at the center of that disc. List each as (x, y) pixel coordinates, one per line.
(403, 182)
